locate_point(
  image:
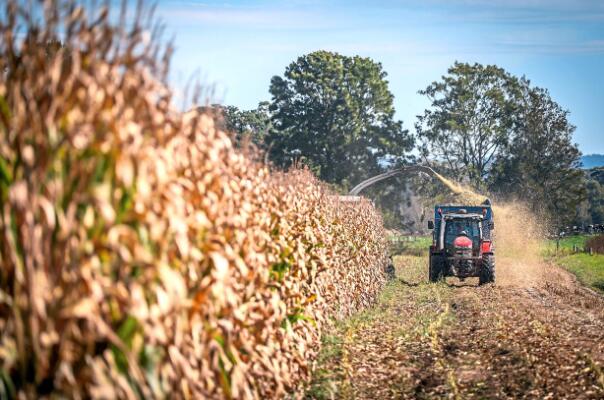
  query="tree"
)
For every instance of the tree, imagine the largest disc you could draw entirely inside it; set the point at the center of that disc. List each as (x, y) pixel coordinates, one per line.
(542, 164)
(471, 120)
(595, 199)
(591, 211)
(336, 114)
(253, 125)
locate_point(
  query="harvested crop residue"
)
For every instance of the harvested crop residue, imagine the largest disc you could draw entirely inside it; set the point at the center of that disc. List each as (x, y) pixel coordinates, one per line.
(458, 340)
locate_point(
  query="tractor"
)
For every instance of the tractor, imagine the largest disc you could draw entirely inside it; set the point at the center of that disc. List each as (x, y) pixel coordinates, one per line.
(462, 243)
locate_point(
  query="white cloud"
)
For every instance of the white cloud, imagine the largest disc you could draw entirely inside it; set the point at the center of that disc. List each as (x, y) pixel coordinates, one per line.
(247, 17)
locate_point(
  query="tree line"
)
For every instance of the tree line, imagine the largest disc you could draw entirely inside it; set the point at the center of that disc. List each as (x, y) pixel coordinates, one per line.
(484, 127)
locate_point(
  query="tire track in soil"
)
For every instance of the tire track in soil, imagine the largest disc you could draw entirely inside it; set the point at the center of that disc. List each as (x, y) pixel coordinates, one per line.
(460, 341)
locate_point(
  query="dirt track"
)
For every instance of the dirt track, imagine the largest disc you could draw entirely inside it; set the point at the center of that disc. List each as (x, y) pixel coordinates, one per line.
(457, 340)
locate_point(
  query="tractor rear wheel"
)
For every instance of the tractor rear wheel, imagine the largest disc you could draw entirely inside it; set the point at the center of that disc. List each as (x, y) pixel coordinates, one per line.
(487, 270)
(436, 270)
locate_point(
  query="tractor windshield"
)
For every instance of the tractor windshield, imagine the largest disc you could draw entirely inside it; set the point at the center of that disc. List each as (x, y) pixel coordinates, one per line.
(454, 227)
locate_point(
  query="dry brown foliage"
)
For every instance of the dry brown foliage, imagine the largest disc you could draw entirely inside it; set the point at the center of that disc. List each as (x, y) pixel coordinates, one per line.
(596, 243)
(141, 254)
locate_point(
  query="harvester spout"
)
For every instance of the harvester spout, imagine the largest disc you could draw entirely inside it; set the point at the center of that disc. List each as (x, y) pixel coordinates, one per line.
(403, 170)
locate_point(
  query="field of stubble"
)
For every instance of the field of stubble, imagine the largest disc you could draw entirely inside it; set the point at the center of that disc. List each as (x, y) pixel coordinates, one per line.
(536, 338)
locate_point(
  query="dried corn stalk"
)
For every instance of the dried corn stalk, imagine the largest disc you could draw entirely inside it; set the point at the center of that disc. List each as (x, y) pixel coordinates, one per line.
(142, 255)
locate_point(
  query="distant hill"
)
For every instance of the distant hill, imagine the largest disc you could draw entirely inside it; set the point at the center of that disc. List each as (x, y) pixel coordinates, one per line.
(592, 161)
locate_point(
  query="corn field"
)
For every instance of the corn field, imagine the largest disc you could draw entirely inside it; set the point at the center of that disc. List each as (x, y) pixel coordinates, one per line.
(142, 255)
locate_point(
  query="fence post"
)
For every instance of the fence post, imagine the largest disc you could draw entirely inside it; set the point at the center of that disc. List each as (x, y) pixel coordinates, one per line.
(591, 251)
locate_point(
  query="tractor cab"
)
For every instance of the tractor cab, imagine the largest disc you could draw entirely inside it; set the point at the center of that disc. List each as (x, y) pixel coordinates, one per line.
(462, 232)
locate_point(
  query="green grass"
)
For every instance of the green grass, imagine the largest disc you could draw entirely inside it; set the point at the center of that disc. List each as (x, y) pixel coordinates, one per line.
(426, 313)
(414, 245)
(566, 244)
(588, 269)
(570, 241)
(325, 376)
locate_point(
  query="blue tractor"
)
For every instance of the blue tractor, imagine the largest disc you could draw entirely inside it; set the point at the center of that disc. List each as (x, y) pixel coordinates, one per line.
(462, 243)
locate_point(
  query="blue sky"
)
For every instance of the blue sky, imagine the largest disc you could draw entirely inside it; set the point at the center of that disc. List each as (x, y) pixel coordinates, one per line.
(235, 47)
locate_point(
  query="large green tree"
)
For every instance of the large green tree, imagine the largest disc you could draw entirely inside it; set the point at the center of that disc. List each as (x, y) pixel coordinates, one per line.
(472, 116)
(335, 114)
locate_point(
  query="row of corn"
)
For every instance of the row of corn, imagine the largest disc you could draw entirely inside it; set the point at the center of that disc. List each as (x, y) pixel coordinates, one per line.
(142, 255)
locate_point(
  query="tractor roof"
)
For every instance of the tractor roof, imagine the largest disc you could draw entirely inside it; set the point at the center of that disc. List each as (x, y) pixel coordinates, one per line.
(482, 212)
(462, 216)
